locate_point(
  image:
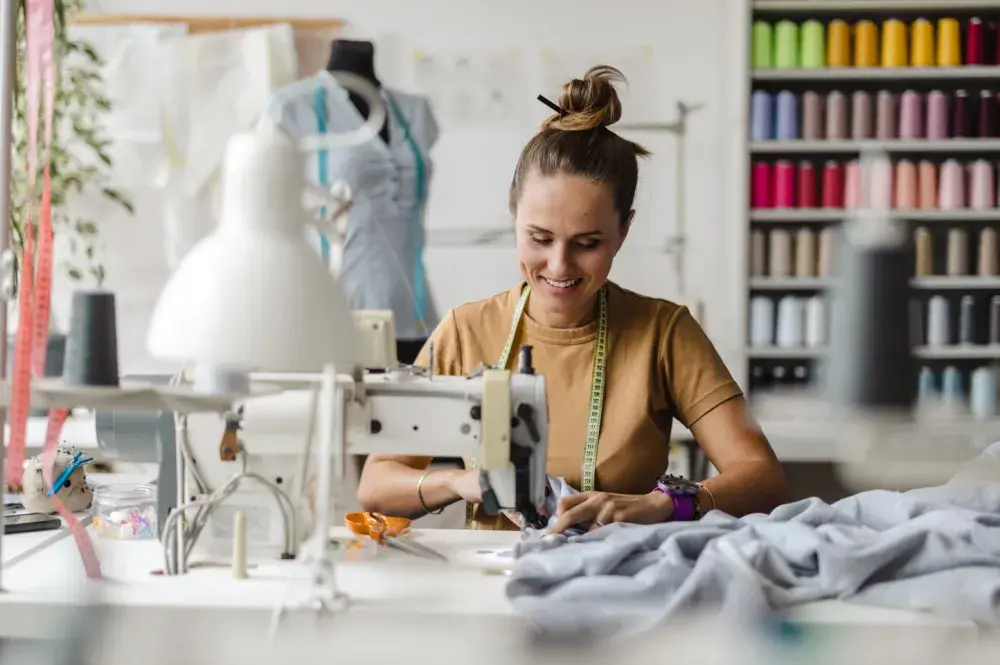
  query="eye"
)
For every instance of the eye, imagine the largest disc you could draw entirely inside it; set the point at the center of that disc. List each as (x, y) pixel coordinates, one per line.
(588, 245)
(541, 240)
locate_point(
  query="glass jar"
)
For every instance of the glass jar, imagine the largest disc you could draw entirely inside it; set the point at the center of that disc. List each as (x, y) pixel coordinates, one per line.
(125, 511)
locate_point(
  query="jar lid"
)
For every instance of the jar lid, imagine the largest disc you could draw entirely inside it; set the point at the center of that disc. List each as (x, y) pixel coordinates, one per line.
(126, 491)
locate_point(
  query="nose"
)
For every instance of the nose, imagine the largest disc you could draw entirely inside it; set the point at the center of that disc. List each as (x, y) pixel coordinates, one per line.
(560, 260)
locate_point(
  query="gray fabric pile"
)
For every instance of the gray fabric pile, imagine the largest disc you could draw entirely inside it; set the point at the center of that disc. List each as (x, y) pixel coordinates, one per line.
(935, 549)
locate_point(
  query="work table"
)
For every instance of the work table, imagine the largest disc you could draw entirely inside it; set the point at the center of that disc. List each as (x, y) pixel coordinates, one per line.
(420, 602)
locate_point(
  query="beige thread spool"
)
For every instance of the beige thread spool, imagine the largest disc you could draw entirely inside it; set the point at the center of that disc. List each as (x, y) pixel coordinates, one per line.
(758, 254)
(958, 253)
(925, 252)
(780, 254)
(805, 253)
(988, 253)
(827, 252)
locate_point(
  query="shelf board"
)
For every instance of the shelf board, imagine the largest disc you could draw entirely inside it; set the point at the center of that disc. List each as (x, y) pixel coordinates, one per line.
(897, 146)
(974, 72)
(825, 215)
(836, 6)
(783, 353)
(941, 282)
(789, 283)
(959, 352)
(956, 352)
(931, 283)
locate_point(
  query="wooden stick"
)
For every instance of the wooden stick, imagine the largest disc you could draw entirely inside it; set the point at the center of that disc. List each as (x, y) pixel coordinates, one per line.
(198, 24)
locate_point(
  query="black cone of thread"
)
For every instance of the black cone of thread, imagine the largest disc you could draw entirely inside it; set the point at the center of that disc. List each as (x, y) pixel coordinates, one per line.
(871, 364)
(92, 345)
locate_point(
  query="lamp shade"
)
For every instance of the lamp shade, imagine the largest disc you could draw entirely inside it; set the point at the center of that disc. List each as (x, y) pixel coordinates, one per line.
(254, 295)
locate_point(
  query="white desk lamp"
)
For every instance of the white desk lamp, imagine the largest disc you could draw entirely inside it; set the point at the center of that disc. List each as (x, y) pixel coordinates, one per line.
(254, 295)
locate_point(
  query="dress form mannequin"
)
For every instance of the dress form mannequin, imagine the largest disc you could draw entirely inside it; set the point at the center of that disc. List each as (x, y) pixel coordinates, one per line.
(357, 57)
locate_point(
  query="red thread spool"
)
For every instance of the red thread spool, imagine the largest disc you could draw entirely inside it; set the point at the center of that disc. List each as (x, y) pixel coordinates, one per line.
(807, 185)
(762, 188)
(833, 185)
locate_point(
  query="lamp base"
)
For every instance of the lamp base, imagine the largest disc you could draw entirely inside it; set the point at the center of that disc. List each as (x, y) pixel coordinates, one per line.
(211, 380)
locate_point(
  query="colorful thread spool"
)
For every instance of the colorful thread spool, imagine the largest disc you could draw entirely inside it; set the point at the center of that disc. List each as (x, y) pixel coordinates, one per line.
(949, 43)
(922, 44)
(813, 45)
(786, 45)
(762, 45)
(894, 52)
(838, 44)
(865, 44)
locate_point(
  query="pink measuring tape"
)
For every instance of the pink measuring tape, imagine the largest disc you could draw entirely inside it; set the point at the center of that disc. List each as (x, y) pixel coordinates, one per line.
(35, 288)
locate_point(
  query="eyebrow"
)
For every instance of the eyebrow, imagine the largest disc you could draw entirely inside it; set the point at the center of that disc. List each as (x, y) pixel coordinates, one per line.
(538, 229)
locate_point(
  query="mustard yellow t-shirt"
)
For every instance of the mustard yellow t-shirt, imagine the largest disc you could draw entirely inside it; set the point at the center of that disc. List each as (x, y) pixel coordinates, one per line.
(660, 366)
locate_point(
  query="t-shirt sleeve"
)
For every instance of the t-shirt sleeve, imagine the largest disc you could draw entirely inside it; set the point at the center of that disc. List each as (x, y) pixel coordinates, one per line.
(697, 379)
(447, 348)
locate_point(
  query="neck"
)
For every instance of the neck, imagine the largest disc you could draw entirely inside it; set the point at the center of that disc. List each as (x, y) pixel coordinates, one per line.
(355, 57)
(570, 319)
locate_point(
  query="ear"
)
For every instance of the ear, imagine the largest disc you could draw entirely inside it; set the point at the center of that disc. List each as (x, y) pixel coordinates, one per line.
(626, 225)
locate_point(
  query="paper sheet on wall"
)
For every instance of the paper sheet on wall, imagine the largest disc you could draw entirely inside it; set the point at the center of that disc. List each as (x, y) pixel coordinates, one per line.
(132, 56)
(474, 88)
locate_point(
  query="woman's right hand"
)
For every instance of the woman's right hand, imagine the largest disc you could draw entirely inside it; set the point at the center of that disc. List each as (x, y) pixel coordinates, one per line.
(466, 485)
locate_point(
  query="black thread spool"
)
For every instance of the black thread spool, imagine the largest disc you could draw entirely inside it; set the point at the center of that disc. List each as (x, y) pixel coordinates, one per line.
(92, 344)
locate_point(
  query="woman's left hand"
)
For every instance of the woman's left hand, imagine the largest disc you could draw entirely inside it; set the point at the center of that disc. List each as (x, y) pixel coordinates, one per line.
(601, 508)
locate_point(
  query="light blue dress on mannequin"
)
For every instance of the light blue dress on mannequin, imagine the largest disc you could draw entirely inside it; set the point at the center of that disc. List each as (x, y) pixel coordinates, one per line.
(382, 262)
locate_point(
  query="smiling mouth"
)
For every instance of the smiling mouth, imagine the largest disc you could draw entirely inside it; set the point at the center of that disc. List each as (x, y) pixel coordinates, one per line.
(564, 284)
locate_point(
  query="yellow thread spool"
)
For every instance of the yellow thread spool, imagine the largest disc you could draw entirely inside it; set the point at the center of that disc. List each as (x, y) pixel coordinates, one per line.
(865, 44)
(922, 44)
(894, 53)
(838, 44)
(949, 51)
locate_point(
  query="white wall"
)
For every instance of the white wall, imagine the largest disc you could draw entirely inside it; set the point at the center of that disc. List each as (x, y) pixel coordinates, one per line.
(697, 50)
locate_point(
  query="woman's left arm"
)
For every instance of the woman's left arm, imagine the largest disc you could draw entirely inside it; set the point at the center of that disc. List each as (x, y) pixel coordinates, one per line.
(750, 478)
(705, 396)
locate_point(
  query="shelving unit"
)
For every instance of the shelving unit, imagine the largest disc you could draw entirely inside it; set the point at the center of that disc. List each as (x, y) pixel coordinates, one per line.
(966, 144)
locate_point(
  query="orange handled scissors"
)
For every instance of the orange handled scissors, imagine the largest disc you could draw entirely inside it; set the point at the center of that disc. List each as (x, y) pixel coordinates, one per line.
(387, 531)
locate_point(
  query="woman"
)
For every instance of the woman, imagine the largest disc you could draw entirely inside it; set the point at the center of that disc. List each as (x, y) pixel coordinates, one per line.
(571, 198)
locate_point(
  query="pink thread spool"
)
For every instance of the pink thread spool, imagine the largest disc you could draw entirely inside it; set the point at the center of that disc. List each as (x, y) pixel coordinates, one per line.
(880, 182)
(981, 193)
(906, 185)
(951, 195)
(927, 187)
(762, 189)
(852, 185)
(784, 185)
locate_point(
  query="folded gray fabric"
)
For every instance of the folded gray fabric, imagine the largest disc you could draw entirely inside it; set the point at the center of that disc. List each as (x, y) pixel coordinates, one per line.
(935, 550)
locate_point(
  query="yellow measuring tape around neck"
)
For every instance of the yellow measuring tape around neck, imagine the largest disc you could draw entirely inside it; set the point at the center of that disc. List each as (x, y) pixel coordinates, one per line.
(596, 387)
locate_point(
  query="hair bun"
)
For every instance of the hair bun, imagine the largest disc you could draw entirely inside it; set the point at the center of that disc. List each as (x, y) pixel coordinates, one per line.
(590, 102)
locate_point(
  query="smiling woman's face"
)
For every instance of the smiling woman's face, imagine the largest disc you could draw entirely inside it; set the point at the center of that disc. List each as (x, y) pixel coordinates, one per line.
(568, 233)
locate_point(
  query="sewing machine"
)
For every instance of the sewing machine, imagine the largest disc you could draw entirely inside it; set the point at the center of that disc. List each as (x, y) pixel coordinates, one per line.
(499, 418)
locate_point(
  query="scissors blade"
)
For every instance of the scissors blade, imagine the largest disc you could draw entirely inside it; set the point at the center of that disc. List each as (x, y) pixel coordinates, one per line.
(416, 549)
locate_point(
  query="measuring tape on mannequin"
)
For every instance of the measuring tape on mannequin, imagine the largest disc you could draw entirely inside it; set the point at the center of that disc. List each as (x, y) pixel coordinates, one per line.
(597, 380)
(35, 288)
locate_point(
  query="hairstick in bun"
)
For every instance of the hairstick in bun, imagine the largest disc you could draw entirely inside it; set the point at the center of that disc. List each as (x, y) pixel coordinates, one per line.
(552, 105)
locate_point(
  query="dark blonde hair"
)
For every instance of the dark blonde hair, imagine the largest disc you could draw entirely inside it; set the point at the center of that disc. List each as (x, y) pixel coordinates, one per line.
(579, 142)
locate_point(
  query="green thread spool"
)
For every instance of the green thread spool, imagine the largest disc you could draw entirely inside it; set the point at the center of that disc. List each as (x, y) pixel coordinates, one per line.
(786, 45)
(762, 46)
(813, 38)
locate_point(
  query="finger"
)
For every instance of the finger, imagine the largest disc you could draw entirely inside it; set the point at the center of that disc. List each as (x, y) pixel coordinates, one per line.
(584, 512)
(571, 501)
(606, 515)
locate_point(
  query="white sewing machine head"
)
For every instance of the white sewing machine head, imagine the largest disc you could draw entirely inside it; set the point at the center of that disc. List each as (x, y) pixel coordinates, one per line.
(499, 418)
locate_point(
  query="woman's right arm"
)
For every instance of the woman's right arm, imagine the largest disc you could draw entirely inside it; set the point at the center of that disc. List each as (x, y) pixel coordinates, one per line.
(388, 485)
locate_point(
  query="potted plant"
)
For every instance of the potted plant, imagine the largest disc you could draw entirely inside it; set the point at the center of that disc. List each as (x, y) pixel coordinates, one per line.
(79, 155)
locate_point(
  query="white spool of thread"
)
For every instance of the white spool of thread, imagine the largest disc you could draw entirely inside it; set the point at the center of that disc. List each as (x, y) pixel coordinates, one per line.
(815, 322)
(761, 321)
(791, 322)
(938, 328)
